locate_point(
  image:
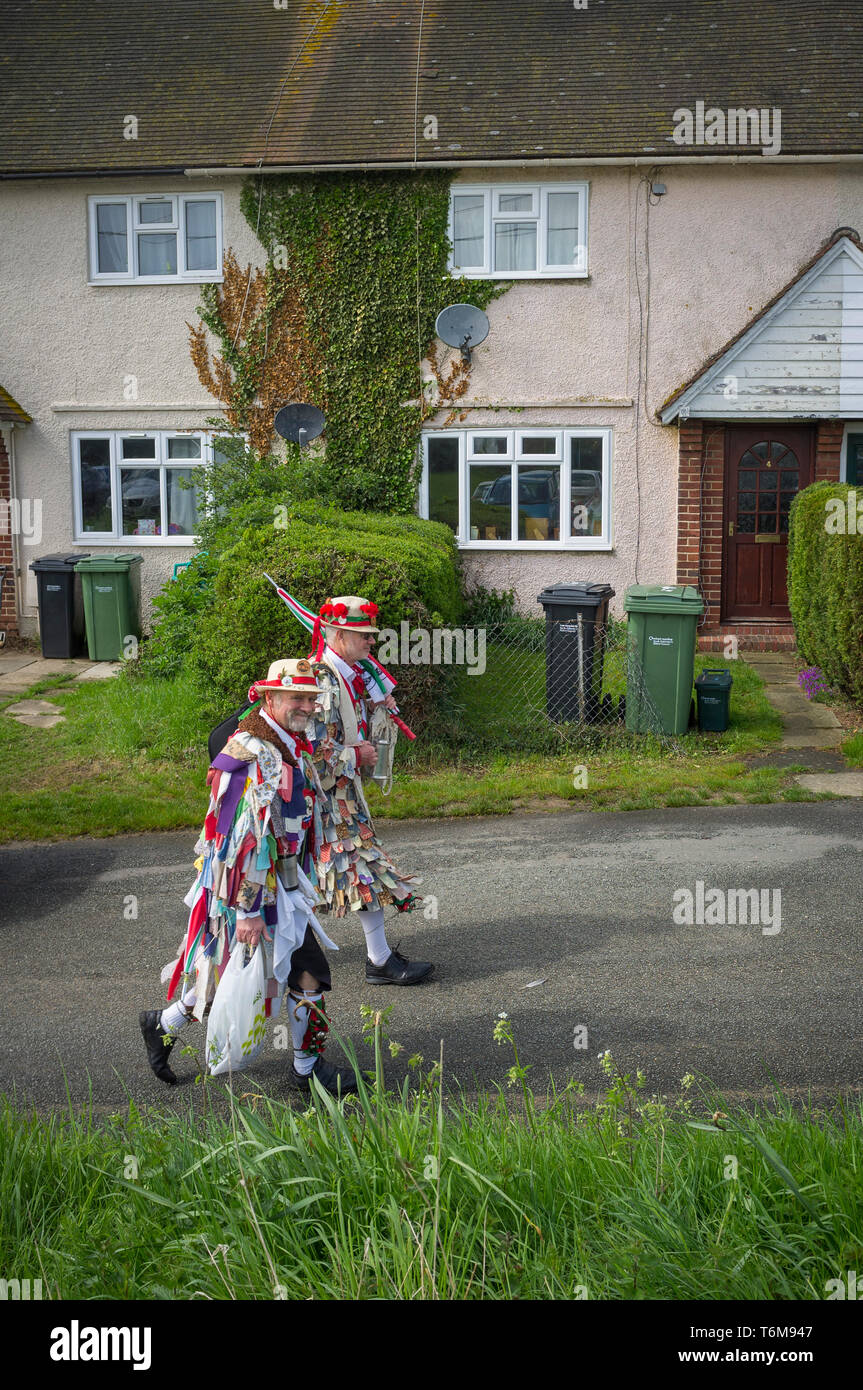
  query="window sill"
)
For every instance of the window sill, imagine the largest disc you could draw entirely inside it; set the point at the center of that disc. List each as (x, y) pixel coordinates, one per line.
(579, 545)
(127, 542)
(519, 274)
(210, 279)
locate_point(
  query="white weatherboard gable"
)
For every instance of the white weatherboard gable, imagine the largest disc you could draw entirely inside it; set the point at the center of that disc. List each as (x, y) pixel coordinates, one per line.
(802, 360)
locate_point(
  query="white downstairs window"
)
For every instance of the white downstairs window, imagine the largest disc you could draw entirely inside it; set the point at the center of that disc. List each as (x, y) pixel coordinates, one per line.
(533, 488)
(141, 486)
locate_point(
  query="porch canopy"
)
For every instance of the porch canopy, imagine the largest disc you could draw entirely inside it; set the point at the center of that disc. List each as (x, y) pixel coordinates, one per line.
(802, 357)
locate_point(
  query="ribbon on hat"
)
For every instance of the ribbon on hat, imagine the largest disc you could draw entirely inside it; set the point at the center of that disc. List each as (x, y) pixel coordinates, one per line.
(312, 623)
(333, 613)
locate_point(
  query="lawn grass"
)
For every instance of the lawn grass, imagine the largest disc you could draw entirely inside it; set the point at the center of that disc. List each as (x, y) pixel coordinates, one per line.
(131, 757)
(413, 1195)
(853, 750)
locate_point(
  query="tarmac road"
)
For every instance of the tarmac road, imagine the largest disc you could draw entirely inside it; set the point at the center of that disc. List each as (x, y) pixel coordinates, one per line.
(581, 901)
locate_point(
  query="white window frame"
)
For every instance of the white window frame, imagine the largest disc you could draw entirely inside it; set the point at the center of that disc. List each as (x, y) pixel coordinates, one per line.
(179, 203)
(116, 536)
(506, 457)
(851, 427)
(491, 200)
(563, 434)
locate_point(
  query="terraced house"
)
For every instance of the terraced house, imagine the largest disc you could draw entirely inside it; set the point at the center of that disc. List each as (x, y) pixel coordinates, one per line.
(673, 195)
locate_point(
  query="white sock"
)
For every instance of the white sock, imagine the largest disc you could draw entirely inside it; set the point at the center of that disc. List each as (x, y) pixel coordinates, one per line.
(376, 937)
(176, 1016)
(303, 1061)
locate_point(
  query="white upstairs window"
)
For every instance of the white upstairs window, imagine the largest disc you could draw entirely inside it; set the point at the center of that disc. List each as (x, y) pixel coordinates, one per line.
(155, 239)
(518, 231)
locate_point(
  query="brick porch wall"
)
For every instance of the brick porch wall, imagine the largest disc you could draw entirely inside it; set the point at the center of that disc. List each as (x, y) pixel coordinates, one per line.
(8, 615)
(701, 448)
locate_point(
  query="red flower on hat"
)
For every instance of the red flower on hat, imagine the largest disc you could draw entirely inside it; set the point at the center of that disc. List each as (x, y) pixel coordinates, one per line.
(340, 610)
(370, 608)
(326, 609)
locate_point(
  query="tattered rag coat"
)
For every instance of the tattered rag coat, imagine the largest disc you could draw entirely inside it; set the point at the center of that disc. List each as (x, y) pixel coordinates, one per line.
(263, 805)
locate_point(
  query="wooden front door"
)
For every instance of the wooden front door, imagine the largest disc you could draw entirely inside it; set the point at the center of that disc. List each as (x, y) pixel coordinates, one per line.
(765, 465)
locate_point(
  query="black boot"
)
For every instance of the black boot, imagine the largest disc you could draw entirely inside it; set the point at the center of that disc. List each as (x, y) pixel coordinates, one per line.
(333, 1079)
(397, 970)
(158, 1051)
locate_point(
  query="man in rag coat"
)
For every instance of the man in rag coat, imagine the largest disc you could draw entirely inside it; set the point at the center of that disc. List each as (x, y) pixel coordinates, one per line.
(353, 870)
(256, 880)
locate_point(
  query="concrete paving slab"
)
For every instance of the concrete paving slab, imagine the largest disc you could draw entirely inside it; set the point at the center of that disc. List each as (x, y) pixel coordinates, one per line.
(33, 707)
(789, 697)
(40, 721)
(815, 738)
(39, 670)
(13, 661)
(802, 720)
(811, 716)
(777, 675)
(840, 783)
(793, 687)
(100, 671)
(810, 759)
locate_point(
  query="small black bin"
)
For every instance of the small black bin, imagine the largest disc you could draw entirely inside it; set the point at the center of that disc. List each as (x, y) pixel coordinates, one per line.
(713, 688)
(61, 612)
(575, 621)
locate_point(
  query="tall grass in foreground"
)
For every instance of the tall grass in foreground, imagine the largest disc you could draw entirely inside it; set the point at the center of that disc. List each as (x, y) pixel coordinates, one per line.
(408, 1195)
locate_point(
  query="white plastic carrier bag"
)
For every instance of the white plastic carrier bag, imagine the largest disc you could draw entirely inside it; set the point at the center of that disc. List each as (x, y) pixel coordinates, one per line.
(238, 1022)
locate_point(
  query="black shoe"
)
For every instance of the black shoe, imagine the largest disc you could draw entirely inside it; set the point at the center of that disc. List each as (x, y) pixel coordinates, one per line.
(397, 970)
(333, 1079)
(158, 1051)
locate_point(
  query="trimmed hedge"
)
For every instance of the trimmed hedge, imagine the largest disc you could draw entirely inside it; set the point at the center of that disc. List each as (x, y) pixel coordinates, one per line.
(178, 610)
(408, 566)
(825, 583)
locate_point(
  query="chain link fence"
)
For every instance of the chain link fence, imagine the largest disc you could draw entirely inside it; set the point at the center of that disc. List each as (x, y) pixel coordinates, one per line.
(537, 684)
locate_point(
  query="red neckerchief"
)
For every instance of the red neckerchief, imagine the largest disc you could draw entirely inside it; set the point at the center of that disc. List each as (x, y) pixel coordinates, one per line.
(357, 688)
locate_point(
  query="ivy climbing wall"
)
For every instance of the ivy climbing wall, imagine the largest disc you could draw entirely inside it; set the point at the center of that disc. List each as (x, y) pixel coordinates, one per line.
(341, 316)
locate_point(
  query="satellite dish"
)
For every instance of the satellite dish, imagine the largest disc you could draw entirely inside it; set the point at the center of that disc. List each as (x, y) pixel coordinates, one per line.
(462, 326)
(299, 423)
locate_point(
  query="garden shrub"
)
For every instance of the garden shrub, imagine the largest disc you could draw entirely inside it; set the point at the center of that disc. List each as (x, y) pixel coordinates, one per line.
(409, 567)
(825, 585)
(178, 609)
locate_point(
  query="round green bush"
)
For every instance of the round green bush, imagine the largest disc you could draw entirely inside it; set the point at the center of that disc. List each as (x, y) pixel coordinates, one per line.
(408, 566)
(825, 583)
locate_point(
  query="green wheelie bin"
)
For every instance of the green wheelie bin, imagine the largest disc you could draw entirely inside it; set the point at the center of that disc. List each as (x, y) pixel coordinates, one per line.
(111, 586)
(663, 622)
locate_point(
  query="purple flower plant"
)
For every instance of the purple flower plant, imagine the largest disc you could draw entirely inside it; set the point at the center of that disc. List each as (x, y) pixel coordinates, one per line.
(812, 683)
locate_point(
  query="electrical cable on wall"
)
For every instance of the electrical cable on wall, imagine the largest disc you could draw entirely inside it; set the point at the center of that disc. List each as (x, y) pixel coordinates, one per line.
(638, 379)
(417, 217)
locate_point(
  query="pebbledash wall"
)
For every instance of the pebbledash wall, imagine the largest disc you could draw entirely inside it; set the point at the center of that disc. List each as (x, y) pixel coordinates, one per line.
(67, 347)
(667, 286)
(676, 280)
(8, 615)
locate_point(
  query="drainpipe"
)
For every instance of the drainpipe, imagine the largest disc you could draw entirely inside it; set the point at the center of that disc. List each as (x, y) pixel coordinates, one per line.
(16, 539)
